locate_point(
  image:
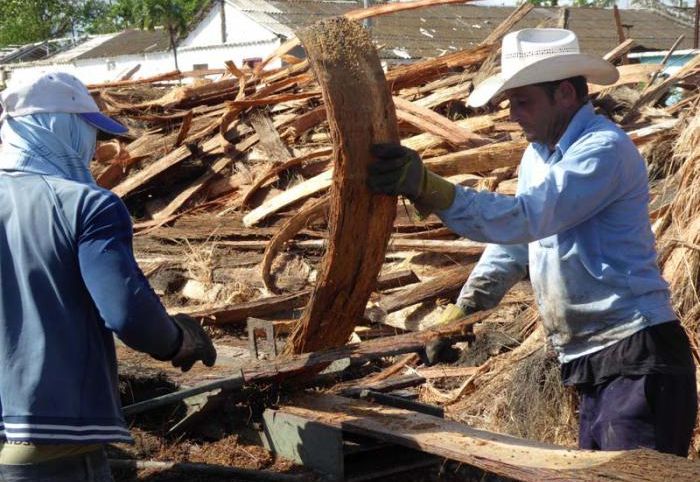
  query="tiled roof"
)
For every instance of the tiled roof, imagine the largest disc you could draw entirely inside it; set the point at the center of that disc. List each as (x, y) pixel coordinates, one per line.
(432, 31)
(130, 42)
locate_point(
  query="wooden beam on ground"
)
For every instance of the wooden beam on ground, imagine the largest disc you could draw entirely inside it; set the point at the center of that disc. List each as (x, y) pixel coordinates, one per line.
(430, 121)
(281, 369)
(270, 140)
(360, 221)
(513, 457)
(301, 191)
(446, 284)
(264, 307)
(259, 308)
(479, 159)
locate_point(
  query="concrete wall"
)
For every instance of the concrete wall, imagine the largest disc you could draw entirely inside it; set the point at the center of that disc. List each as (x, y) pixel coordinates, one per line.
(101, 70)
(239, 28)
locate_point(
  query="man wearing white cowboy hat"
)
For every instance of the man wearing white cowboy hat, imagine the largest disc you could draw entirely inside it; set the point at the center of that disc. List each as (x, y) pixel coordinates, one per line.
(579, 224)
(69, 282)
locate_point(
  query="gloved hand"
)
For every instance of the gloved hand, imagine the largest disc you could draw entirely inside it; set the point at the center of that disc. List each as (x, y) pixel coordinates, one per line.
(400, 170)
(440, 350)
(196, 344)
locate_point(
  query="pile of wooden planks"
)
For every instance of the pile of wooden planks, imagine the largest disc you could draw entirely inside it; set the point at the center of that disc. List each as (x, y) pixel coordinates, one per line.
(249, 199)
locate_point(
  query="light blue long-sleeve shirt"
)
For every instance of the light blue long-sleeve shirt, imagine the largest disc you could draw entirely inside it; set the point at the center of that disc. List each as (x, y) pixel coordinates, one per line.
(579, 222)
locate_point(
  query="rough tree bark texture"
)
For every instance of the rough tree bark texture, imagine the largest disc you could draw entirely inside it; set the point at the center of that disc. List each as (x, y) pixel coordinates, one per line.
(360, 113)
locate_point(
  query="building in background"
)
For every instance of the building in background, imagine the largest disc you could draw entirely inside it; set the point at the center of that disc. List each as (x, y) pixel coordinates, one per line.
(246, 31)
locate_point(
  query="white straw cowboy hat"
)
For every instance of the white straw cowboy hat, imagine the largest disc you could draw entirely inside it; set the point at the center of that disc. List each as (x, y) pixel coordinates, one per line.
(535, 55)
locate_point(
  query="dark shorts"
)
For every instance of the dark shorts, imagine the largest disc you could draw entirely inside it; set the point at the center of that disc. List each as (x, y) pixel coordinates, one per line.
(656, 411)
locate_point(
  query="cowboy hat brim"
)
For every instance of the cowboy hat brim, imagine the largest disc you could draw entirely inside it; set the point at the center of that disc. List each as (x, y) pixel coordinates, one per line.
(595, 69)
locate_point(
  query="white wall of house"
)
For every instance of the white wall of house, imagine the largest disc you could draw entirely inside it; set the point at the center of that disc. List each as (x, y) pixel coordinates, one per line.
(239, 28)
(201, 49)
(108, 69)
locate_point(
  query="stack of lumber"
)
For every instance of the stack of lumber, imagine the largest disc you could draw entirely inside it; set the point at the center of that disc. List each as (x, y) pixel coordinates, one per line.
(240, 185)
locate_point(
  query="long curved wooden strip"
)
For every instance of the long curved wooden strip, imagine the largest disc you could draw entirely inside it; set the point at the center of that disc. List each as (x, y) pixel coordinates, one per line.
(295, 224)
(360, 113)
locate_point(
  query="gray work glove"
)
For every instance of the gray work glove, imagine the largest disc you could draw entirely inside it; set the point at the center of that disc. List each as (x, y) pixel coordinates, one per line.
(196, 344)
(440, 350)
(399, 170)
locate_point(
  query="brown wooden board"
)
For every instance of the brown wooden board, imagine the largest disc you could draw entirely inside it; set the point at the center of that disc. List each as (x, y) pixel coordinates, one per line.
(348, 68)
(513, 457)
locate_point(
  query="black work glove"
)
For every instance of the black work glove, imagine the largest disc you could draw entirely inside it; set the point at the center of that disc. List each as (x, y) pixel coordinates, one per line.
(196, 344)
(399, 170)
(440, 350)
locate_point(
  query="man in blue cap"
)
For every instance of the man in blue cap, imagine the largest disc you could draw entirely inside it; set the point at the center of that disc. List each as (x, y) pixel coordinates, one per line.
(69, 282)
(579, 224)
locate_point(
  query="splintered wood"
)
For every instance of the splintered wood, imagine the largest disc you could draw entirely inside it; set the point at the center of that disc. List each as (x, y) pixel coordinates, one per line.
(360, 113)
(248, 184)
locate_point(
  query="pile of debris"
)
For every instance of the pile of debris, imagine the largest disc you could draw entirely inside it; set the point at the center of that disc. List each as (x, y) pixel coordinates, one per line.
(228, 182)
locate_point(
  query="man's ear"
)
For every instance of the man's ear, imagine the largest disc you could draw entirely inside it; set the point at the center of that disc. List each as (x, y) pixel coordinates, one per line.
(566, 94)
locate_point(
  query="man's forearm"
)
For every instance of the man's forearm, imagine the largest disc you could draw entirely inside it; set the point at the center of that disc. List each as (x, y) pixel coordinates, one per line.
(499, 268)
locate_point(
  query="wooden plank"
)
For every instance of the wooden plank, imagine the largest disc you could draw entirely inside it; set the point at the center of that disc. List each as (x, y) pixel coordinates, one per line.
(479, 159)
(629, 74)
(422, 142)
(620, 50)
(504, 27)
(191, 190)
(357, 353)
(620, 32)
(513, 457)
(134, 182)
(424, 71)
(430, 121)
(270, 140)
(290, 196)
(278, 169)
(434, 373)
(259, 308)
(446, 284)
(360, 221)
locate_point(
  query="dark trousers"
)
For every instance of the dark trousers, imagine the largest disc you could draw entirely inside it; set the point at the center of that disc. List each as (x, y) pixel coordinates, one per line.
(655, 411)
(89, 467)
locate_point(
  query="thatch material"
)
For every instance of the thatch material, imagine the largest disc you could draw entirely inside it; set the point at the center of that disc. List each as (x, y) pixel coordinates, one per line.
(680, 241)
(522, 395)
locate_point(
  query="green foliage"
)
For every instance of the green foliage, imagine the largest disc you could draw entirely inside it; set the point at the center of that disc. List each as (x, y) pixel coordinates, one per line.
(25, 21)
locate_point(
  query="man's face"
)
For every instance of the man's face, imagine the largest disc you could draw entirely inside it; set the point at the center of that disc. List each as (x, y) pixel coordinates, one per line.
(542, 118)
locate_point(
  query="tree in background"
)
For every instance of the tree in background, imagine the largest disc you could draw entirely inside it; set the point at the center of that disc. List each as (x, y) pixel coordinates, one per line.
(169, 14)
(26, 21)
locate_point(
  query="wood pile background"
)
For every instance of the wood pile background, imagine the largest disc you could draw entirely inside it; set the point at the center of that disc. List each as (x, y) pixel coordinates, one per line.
(228, 183)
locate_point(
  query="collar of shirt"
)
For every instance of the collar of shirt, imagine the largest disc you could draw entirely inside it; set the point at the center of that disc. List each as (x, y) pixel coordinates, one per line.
(573, 131)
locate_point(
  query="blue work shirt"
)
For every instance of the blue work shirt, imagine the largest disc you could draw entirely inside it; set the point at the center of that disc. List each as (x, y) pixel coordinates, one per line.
(579, 222)
(68, 282)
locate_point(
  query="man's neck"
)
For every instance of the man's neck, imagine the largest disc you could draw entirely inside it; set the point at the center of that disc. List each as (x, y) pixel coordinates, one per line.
(561, 126)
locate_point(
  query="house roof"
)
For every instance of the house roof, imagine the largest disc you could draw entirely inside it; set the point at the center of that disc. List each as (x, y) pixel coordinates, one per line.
(433, 31)
(129, 42)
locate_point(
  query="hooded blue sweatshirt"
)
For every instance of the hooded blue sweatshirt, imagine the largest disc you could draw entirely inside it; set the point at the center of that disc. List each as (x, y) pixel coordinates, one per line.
(68, 282)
